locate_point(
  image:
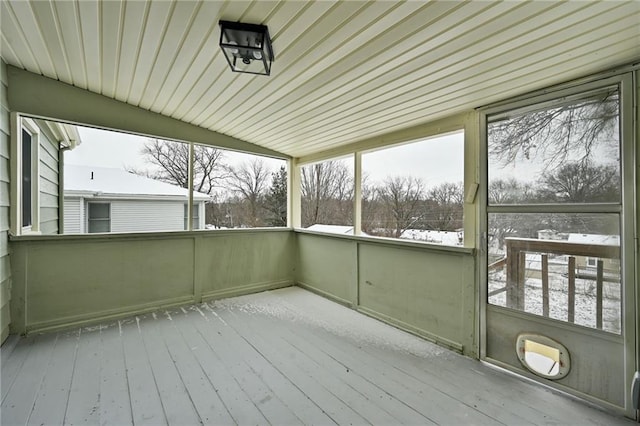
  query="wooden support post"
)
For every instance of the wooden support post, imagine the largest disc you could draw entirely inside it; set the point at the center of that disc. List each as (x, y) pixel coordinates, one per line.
(571, 309)
(599, 284)
(512, 276)
(522, 265)
(545, 285)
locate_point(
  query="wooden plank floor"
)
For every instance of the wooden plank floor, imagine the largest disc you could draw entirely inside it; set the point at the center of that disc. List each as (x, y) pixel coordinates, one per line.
(284, 357)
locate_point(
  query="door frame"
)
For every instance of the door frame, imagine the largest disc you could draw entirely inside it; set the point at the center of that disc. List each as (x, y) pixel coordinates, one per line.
(626, 79)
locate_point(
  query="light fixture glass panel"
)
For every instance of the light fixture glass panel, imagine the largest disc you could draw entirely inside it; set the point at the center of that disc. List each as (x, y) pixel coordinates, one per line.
(247, 47)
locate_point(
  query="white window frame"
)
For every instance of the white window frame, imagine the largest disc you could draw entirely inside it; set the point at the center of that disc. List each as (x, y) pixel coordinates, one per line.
(18, 123)
(88, 217)
(195, 220)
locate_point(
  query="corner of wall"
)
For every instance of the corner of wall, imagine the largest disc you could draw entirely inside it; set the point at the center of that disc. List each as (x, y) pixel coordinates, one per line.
(5, 269)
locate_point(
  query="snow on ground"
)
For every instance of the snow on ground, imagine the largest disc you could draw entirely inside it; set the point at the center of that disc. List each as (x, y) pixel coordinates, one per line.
(585, 299)
(448, 238)
(300, 306)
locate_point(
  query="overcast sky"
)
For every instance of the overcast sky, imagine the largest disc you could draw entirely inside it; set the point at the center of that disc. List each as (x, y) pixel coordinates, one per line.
(434, 160)
(104, 148)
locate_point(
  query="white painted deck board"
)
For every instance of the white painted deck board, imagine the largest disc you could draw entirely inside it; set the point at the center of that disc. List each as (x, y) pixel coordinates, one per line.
(115, 401)
(270, 404)
(12, 364)
(51, 403)
(146, 405)
(203, 394)
(283, 357)
(303, 407)
(83, 406)
(21, 398)
(240, 407)
(173, 393)
(363, 399)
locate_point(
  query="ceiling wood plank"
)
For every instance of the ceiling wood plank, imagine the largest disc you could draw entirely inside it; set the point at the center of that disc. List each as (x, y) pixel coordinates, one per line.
(413, 114)
(52, 36)
(194, 46)
(14, 40)
(133, 27)
(197, 70)
(25, 19)
(344, 71)
(369, 63)
(344, 23)
(7, 52)
(203, 81)
(89, 26)
(173, 41)
(69, 23)
(110, 44)
(154, 30)
(498, 52)
(207, 101)
(358, 31)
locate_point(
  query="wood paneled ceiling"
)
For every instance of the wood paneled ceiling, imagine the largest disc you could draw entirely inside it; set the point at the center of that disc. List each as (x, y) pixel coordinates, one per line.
(344, 71)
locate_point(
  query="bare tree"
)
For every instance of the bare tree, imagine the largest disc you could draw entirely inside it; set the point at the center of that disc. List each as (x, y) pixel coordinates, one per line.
(171, 164)
(444, 213)
(401, 197)
(582, 182)
(327, 194)
(568, 132)
(511, 191)
(249, 182)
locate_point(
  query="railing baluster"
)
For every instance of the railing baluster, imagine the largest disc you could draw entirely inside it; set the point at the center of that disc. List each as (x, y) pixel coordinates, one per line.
(512, 276)
(545, 285)
(572, 290)
(599, 284)
(522, 265)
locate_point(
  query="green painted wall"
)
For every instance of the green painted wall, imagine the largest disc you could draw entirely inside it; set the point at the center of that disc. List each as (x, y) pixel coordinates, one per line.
(64, 280)
(328, 266)
(5, 270)
(239, 263)
(425, 290)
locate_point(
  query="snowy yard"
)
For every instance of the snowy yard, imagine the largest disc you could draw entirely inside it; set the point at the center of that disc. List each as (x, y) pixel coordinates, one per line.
(585, 297)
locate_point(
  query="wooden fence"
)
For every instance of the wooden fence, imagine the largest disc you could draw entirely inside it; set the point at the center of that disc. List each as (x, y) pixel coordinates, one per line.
(515, 258)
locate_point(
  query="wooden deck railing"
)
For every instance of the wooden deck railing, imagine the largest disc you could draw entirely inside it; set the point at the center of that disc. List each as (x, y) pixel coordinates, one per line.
(515, 262)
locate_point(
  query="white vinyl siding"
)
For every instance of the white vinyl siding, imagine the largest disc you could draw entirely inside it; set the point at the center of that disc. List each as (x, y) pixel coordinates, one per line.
(5, 271)
(146, 215)
(48, 183)
(131, 215)
(73, 217)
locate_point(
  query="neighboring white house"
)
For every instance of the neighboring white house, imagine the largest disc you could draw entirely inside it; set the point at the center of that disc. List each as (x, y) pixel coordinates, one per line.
(100, 199)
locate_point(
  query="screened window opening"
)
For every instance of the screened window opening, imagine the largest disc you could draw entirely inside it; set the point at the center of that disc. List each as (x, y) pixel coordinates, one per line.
(327, 190)
(415, 191)
(65, 168)
(549, 168)
(245, 190)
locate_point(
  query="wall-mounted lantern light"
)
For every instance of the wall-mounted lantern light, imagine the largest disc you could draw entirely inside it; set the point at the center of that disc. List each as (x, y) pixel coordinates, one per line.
(247, 47)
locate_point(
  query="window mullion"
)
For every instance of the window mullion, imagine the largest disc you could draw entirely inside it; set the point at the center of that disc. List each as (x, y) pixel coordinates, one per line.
(556, 208)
